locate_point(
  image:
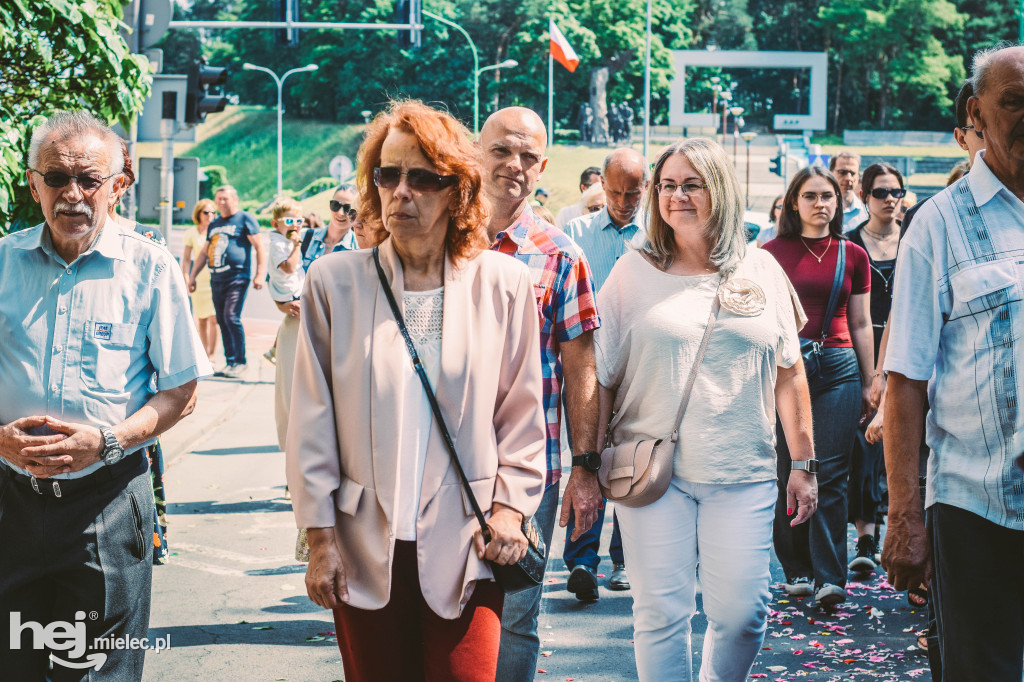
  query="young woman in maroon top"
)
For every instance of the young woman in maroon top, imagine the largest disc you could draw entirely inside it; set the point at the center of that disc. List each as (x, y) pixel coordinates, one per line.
(807, 246)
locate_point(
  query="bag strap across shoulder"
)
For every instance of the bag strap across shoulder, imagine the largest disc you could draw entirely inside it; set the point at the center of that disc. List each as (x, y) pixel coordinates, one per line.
(417, 366)
(837, 286)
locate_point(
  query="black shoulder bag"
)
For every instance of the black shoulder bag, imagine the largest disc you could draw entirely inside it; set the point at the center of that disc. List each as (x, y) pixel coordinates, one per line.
(811, 349)
(529, 572)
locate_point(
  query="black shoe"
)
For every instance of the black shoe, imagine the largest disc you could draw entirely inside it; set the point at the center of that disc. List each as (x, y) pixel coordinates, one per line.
(865, 559)
(619, 579)
(583, 583)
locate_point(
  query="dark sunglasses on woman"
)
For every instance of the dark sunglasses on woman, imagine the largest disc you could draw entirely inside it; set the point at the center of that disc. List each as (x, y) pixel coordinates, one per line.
(882, 192)
(338, 206)
(419, 180)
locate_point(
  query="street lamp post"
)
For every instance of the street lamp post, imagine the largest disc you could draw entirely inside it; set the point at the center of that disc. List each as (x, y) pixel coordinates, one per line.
(507, 64)
(748, 138)
(726, 98)
(716, 90)
(736, 113)
(280, 107)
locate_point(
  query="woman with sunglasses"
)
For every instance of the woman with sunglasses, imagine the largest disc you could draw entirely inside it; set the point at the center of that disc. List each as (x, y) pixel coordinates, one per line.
(395, 550)
(882, 191)
(202, 298)
(808, 246)
(593, 199)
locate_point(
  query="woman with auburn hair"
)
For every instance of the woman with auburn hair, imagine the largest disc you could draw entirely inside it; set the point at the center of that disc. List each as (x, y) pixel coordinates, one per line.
(696, 284)
(810, 247)
(394, 549)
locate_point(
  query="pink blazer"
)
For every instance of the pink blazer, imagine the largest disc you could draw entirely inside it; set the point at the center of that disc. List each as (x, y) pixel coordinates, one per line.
(342, 444)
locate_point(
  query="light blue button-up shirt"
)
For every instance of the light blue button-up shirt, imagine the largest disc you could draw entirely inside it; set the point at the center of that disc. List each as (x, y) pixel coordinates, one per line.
(317, 247)
(855, 214)
(958, 322)
(92, 341)
(603, 242)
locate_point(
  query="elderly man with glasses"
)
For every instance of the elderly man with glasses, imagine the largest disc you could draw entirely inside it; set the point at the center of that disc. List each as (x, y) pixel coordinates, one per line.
(99, 358)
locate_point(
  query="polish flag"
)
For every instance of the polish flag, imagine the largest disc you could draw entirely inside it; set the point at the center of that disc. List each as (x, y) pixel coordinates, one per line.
(561, 50)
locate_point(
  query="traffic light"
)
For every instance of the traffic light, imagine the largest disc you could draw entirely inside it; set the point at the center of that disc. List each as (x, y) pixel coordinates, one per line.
(409, 12)
(198, 103)
(776, 165)
(287, 10)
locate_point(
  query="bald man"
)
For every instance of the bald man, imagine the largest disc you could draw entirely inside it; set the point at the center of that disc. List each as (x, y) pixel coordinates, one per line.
(956, 346)
(512, 146)
(604, 236)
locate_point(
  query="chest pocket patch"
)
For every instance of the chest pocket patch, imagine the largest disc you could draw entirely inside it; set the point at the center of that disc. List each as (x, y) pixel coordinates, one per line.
(106, 355)
(986, 299)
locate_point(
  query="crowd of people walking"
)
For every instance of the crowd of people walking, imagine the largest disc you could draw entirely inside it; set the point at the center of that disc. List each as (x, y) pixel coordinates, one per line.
(443, 344)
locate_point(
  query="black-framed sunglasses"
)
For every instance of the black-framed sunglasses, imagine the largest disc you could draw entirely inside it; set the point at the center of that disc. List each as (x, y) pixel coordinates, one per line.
(58, 179)
(338, 206)
(882, 192)
(419, 180)
(208, 212)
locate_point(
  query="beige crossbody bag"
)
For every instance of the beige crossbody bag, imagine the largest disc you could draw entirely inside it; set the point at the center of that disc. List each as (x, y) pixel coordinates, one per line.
(636, 473)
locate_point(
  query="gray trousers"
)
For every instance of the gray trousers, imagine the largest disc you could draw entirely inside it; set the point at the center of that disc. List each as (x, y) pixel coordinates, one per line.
(84, 559)
(520, 645)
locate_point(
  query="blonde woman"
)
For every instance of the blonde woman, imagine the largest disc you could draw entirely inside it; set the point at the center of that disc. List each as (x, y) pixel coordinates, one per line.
(655, 307)
(202, 298)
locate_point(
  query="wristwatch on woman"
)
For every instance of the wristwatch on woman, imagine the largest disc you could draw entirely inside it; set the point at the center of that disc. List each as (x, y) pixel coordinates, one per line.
(808, 465)
(590, 460)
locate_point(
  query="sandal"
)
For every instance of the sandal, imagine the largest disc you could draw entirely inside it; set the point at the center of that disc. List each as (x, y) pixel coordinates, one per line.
(918, 596)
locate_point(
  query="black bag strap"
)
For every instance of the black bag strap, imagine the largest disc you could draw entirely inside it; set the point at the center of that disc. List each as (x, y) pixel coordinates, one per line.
(434, 407)
(837, 286)
(307, 239)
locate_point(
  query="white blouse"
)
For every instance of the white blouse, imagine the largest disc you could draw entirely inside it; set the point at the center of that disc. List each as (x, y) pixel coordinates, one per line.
(423, 318)
(652, 323)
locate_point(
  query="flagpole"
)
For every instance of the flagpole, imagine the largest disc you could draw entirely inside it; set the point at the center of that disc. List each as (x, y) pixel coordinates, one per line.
(647, 83)
(551, 99)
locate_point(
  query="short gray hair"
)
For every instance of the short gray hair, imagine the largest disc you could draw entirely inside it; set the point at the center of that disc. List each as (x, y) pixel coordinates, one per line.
(724, 229)
(981, 62)
(65, 125)
(225, 188)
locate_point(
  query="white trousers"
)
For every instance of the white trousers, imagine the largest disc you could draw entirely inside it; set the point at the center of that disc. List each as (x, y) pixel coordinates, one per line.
(727, 531)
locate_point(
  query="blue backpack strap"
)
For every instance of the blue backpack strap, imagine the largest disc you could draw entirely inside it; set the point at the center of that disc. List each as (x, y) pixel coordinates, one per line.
(837, 286)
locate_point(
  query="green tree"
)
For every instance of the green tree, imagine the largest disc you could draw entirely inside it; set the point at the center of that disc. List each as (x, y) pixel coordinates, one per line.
(58, 54)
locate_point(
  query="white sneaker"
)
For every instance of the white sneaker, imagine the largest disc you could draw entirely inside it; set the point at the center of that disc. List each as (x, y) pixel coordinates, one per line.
(830, 594)
(799, 587)
(235, 371)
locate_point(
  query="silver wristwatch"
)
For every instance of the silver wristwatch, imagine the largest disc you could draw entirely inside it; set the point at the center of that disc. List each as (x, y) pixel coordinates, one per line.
(808, 465)
(112, 450)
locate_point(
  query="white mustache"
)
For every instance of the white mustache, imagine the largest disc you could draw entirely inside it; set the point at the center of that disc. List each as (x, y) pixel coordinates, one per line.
(80, 207)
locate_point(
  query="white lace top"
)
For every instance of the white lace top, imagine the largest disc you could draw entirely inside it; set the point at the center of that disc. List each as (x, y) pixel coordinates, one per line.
(423, 318)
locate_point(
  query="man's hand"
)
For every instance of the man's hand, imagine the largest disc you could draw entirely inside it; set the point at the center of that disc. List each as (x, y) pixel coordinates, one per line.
(508, 544)
(14, 440)
(290, 308)
(583, 496)
(326, 583)
(257, 281)
(78, 447)
(906, 554)
(801, 495)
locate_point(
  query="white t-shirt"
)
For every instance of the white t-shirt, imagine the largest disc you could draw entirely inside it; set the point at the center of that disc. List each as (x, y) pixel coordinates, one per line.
(652, 324)
(284, 286)
(423, 317)
(568, 214)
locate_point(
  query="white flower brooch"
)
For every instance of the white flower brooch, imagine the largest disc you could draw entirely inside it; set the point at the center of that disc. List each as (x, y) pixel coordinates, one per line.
(742, 297)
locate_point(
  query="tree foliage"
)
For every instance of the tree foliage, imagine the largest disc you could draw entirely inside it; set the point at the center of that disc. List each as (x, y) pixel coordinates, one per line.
(58, 54)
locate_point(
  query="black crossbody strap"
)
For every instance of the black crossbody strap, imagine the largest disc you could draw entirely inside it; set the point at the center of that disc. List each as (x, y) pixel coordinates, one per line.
(837, 286)
(434, 407)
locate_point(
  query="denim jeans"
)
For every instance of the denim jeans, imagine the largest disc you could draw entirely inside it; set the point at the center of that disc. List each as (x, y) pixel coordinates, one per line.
(978, 592)
(228, 299)
(586, 550)
(520, 644)
(817, 548)
(722, 532)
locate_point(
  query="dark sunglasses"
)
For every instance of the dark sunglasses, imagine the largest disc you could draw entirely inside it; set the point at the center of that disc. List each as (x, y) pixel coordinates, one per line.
(338, 206)
(60, 179)
(882, 192)
(209, 212)
(419, 180)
